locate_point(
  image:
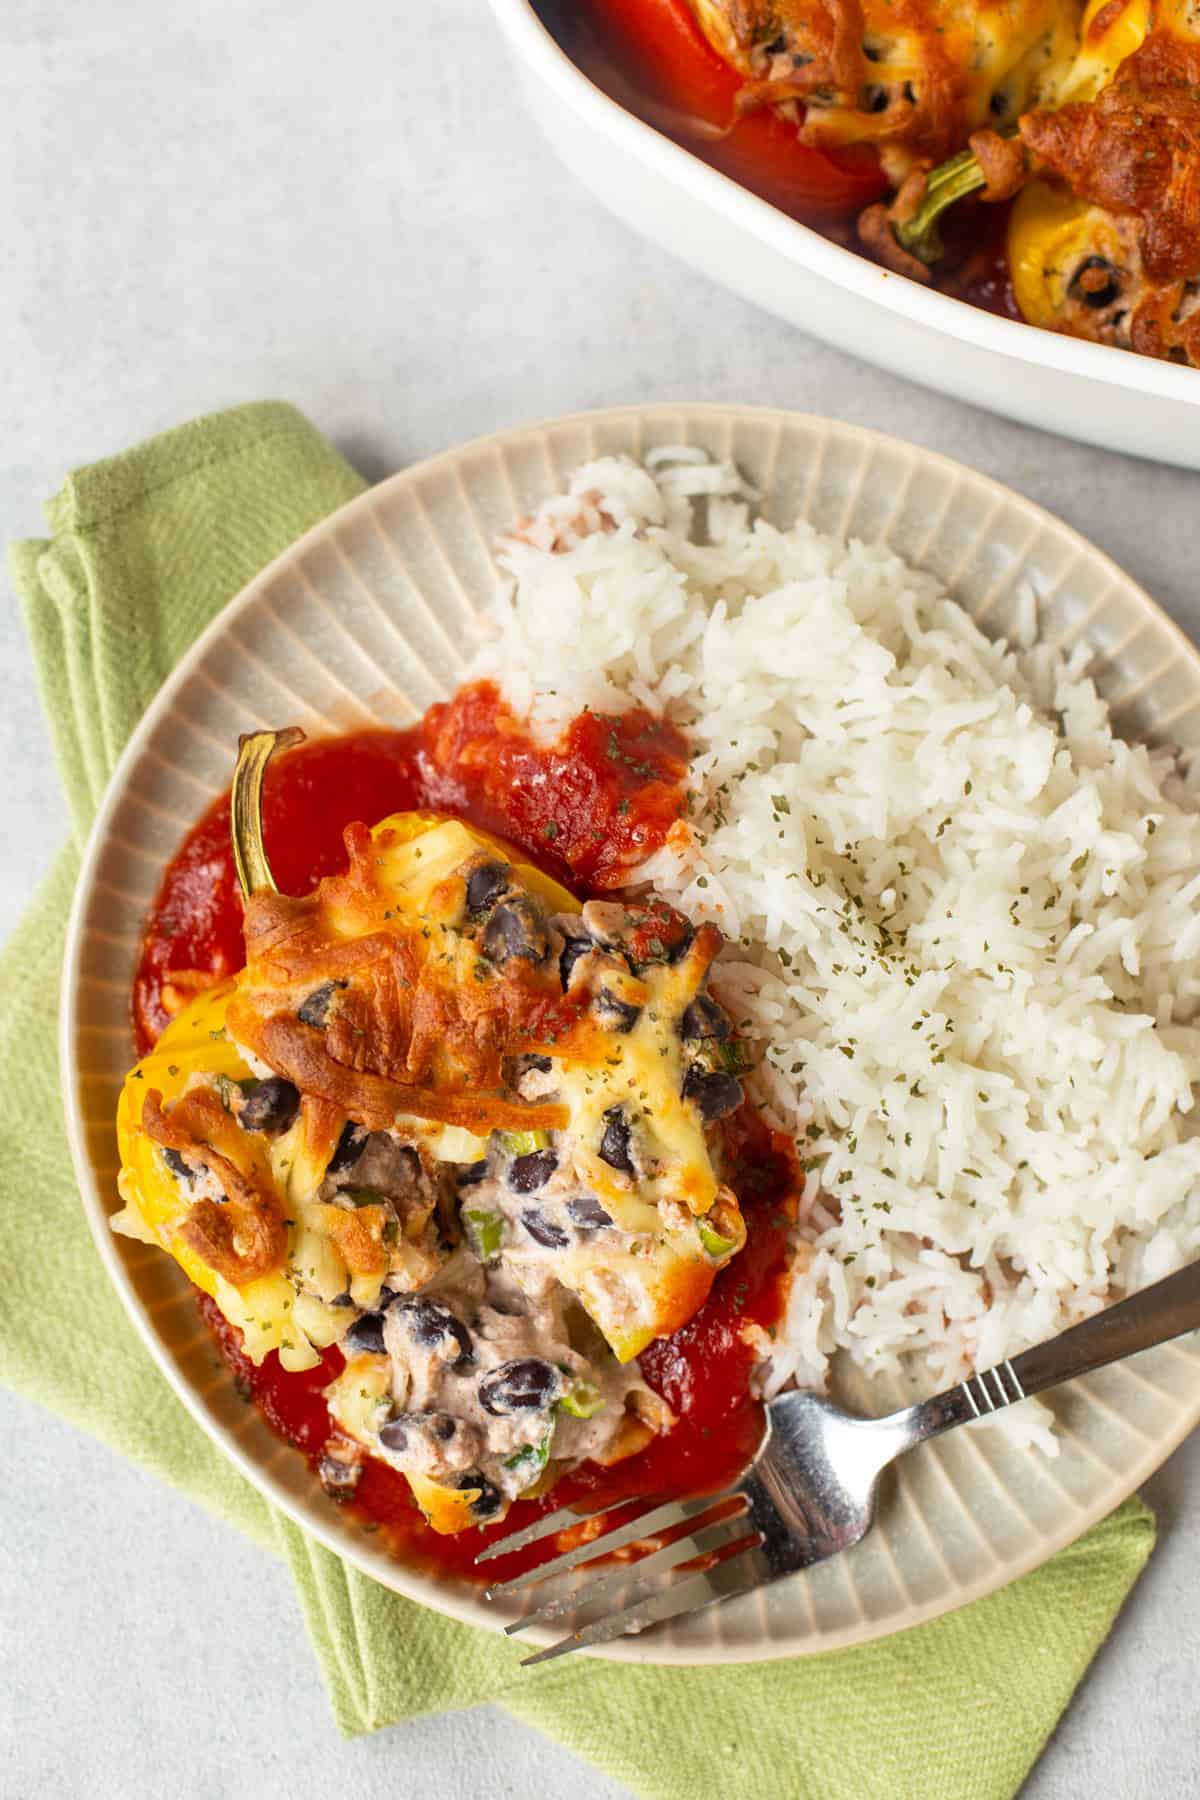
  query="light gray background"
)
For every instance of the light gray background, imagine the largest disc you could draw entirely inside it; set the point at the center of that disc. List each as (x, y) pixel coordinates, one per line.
(345, 206)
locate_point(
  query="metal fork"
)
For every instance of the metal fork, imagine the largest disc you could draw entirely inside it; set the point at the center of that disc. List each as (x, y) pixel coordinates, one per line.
(810, 1490)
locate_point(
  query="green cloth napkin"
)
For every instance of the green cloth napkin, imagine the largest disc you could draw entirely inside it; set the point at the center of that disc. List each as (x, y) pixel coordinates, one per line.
(143, 551)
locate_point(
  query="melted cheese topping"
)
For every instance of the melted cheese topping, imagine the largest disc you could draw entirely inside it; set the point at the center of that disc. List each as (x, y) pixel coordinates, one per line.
(651, 1283)
(641, 1073)
(1108, 34)
(272, 1313)
(402, 908)
(914, 77)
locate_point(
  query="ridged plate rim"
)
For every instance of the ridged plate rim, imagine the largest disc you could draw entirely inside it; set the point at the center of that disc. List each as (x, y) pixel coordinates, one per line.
(788, 1624)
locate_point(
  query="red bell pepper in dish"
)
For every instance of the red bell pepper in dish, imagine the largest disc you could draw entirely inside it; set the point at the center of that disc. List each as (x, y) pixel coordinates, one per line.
(663, 49)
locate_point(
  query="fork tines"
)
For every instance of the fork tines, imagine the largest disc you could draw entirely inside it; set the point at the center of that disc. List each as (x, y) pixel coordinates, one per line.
(646, 1598)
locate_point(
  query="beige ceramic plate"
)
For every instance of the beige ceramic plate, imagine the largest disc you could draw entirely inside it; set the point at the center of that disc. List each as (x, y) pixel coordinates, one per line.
(365, 622)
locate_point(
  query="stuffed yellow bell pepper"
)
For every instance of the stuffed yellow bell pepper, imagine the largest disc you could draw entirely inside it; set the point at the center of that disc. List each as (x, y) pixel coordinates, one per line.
(1103, 240)
(458, 1125)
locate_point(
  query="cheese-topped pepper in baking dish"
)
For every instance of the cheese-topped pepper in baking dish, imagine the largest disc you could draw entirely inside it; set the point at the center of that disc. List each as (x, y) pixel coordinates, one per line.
(1089, 113)
(1103, 239)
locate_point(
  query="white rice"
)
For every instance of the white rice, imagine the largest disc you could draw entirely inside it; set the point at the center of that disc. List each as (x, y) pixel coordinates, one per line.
(962, 913)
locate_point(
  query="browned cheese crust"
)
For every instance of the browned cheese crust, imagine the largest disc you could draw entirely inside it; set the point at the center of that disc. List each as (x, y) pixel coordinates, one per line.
(420, 1021)
(244, 1237)
(1135, 150)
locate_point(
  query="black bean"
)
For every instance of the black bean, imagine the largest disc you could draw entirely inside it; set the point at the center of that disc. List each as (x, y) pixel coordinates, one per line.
(315, 1010)
(395, 1434)
(679, 947)
(572, 950)
(488, 1501)
(474, 1172)
(516, 928)
(346, 1299)
(543, 1230)
(614, 1145)
(177, 1166)
(339, 1478)
(587, 1211)
(350, 1147)
(531, 1060)
(434, 1327)
(271, 1107)
(1101, 288)
(526, 1174)
(406, 1170)
(714, 1092)
(485, 884)
(366, 1333)
(621, 1015)
(704, 1019)
(873, 99)
(529, 1384)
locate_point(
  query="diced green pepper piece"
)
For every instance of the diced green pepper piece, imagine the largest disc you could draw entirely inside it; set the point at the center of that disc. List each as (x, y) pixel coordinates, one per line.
(364, 1196)
(583, 1402)
(486, 1229)
(225, 1086)
(713, 1242)
(531, 1457)
(522, 1143)
(734, 1056)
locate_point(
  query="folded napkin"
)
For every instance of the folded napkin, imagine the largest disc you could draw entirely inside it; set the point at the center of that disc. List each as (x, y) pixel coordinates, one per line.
(143, 551)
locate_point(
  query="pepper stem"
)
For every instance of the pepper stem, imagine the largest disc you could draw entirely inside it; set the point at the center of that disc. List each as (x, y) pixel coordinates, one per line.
(952, 180)
(255, 750)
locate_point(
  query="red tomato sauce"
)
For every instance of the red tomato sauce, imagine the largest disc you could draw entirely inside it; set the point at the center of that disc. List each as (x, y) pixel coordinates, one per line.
(976, 268)
(985, 281)
(587, 810)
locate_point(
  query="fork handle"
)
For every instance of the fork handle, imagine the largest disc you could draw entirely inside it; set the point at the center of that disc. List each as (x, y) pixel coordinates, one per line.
(1165, 1310)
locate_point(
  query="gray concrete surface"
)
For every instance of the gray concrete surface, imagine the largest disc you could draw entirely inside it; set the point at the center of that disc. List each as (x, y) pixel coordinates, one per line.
(346, 207)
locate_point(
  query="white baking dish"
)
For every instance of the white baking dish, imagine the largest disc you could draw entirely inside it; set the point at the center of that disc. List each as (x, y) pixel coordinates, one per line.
(1089, 391)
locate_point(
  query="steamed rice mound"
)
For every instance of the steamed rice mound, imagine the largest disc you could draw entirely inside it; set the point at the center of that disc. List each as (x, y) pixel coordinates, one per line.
(962, 914)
